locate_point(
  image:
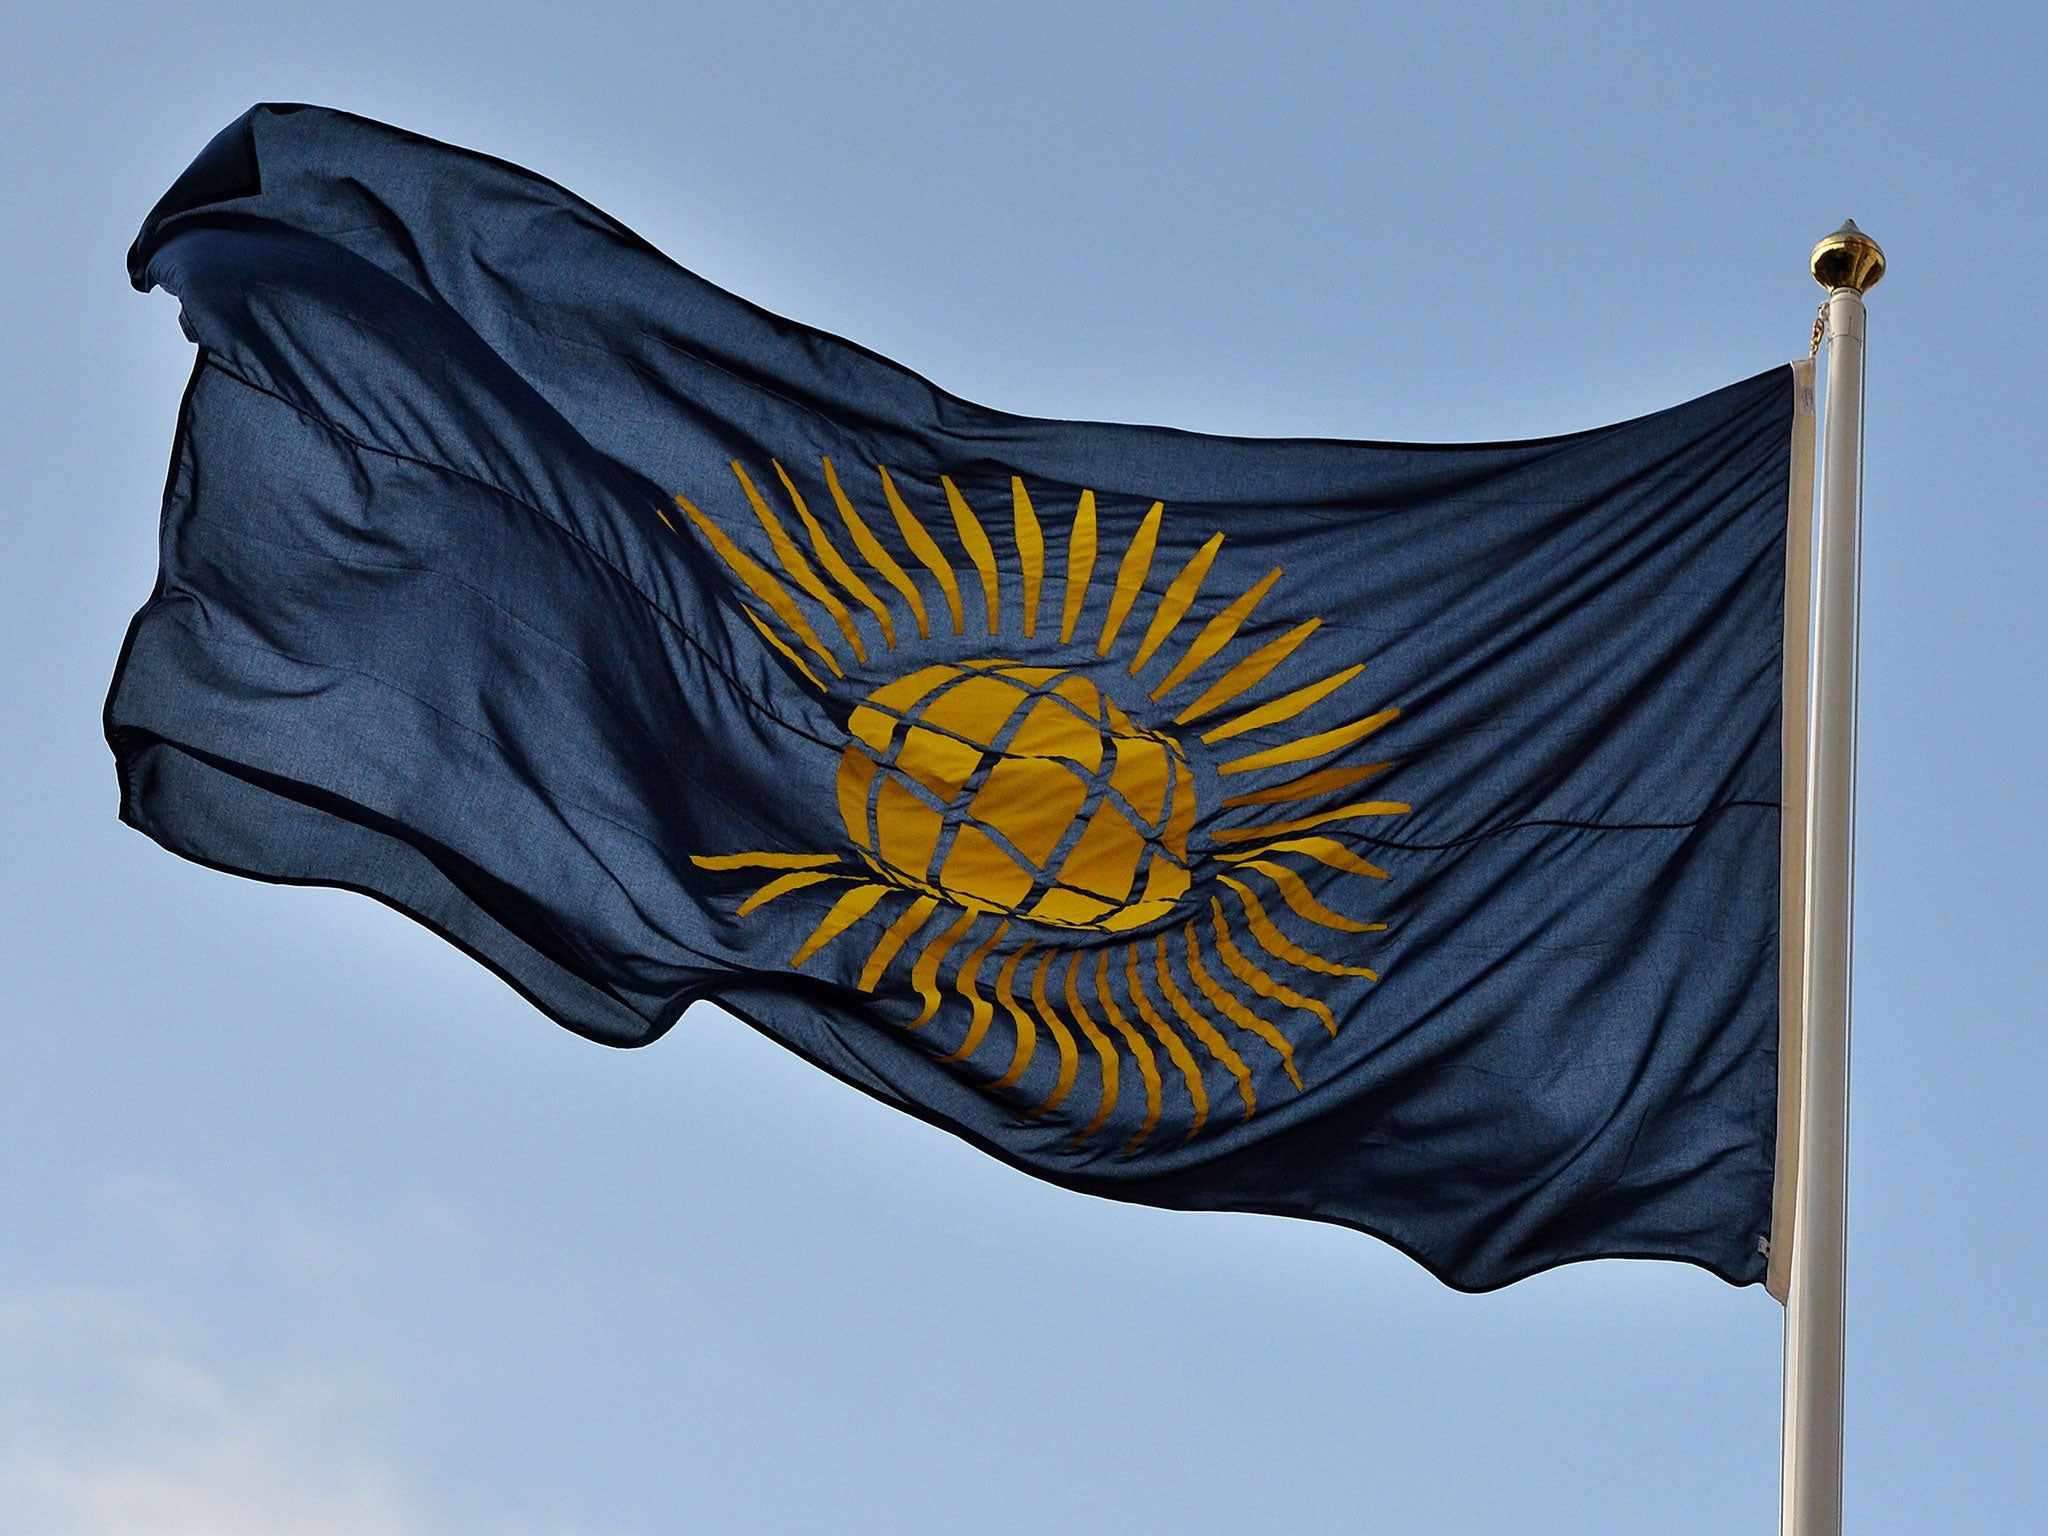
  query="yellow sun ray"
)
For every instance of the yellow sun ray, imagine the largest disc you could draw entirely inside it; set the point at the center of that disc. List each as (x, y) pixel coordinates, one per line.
(1310, 786)
(781, 886)
(1176, 1048)
(1226, 1003)
(1027, 1032)
(1030, 551)
(974, 540)
(1255, 978)
(1295, 892)
(1080, 565)
(835, 564)
(1259, 834)
(1062, 1037)
(1279, 945)
(1205, 1031)
(926, 548)
(1215, 635)
(924, 975)
(1286, 707)
(777, 641)
(1130, 576)
(795, 565)
(1248, 673)
(898, 933)
(1141, 1051)
(983, 1009)
(1105, 1052)
(878, 558)
(1180, 596)
(1324, 850)
(763, 860)
(761, 584)
(1305, 747)
(848, 910)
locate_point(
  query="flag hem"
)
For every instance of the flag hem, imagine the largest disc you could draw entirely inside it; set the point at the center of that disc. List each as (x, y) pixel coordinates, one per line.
(1795, 733)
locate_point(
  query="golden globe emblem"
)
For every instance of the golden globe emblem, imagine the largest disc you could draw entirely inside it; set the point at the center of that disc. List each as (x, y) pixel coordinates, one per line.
(1013, 829)
(1022, 790)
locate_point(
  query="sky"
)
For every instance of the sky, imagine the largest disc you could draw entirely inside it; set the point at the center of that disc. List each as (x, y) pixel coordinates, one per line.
(310, 1227)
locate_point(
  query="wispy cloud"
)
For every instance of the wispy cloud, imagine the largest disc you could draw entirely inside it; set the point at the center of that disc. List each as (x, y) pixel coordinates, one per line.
(114, 1427)
(240, 1480)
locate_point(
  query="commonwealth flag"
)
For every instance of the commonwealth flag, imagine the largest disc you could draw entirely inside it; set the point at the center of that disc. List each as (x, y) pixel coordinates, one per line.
(1376, 833)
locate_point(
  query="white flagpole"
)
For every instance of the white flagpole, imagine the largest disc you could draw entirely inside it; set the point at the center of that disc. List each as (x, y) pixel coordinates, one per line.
(1848, 263)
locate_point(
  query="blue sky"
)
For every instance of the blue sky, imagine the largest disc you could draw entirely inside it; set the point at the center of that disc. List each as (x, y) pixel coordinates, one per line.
(309, 1225)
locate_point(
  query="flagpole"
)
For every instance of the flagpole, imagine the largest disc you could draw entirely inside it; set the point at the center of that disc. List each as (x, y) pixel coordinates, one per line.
(1848, 263)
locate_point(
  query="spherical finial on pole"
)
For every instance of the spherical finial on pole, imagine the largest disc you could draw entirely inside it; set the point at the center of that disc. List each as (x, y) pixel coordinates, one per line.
(1848, 259)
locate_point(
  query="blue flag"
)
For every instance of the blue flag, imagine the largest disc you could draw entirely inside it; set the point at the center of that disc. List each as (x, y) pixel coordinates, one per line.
(1382, 834)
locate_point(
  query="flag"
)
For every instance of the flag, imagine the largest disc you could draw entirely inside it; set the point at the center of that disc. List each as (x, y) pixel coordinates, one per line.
(1381, 834)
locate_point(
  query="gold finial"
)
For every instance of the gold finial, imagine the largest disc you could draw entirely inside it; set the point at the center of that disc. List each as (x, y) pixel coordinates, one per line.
(1848, 259)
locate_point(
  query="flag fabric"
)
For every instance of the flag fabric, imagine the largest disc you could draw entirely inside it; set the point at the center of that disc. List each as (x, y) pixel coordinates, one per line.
(1382, 834)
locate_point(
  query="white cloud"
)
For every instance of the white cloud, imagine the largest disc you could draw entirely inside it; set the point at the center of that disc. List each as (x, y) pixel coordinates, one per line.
(113, 1428)
(238, 1481)
(156, 1408)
